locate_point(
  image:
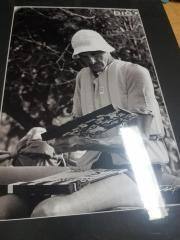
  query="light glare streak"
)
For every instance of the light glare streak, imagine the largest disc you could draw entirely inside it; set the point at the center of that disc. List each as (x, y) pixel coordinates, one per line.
(144, 174)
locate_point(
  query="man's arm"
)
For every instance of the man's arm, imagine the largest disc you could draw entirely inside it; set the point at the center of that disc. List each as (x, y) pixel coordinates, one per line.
(75, 143)
(141, 97)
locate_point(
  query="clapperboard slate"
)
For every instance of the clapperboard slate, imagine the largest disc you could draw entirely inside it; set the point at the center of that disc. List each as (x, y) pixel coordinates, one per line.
(91, 124)
(68, 182)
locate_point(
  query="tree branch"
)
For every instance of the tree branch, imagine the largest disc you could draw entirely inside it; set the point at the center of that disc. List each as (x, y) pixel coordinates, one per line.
(75, 14)
(63, 53)
(66, 82)
(67, 12)
(39, 44)
(39, 13)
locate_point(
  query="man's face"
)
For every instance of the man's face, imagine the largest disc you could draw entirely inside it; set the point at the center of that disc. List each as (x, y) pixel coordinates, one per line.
(96, 60)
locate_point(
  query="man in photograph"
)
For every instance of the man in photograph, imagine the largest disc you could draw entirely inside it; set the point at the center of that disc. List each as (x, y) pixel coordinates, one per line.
(103, 81)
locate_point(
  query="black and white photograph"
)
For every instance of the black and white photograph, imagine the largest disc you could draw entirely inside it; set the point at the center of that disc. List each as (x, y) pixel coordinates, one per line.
(84, 124)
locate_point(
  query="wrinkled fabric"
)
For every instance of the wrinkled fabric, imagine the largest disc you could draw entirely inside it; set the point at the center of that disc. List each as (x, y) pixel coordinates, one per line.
(36, 153)
(32, 153)
(6, 159)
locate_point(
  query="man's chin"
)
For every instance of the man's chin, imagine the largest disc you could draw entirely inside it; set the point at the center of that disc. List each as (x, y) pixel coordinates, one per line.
(97, 69)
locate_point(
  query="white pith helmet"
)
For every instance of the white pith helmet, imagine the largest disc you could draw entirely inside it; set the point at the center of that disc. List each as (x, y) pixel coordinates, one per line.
(87, 40)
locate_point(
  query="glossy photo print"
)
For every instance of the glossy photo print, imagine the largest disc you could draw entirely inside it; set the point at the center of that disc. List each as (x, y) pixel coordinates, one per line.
(84, 125)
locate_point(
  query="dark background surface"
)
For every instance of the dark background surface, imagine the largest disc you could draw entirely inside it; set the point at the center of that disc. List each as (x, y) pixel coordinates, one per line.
(119, 225)
(124, 225)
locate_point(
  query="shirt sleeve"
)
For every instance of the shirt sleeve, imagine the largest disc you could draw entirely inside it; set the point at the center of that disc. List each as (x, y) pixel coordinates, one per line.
(140, 90)
(77, 110)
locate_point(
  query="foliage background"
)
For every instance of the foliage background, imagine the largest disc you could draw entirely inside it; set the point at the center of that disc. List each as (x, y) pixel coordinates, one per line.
(41, 73)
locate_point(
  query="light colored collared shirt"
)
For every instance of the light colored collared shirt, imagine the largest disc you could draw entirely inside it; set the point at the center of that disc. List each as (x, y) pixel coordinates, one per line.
(127, 86)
